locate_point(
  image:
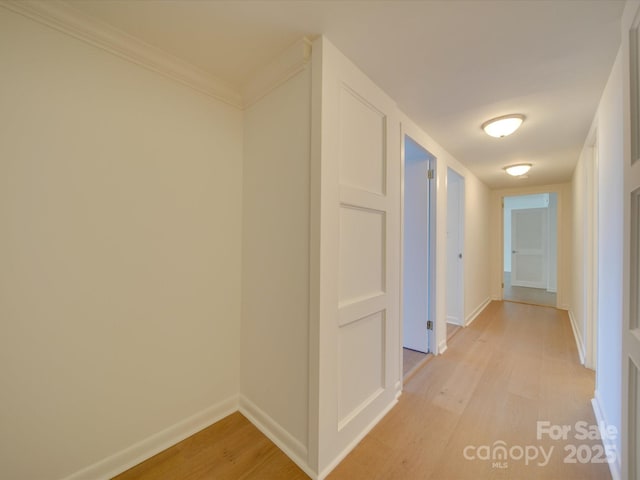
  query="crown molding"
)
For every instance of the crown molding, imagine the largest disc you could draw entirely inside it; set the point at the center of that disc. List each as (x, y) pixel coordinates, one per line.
(286, 65)
(64, 18)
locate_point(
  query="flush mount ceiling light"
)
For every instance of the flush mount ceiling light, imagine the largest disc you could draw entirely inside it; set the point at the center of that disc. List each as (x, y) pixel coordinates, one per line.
(518, 170)
(502, 126)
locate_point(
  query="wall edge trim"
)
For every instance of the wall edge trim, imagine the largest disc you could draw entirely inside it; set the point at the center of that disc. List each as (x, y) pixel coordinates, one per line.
(285, 66)
(293, 448)
(614, 466)
(148, 447)
(577, 337)
(336, 461)
(68, 20)
(478, 310)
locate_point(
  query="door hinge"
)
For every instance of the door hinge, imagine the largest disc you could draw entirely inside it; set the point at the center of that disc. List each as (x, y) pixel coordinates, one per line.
(503, 285)
(429, 325)
(430, 174)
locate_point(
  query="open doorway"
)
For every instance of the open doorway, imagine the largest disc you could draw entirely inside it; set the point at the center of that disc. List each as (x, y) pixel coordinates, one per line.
(417, 252)
(531, 249)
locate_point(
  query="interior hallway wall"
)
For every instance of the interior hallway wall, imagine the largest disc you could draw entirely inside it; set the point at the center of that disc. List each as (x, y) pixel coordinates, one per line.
(477, 235)
(609, 125)
(120, 235)
(275, 254)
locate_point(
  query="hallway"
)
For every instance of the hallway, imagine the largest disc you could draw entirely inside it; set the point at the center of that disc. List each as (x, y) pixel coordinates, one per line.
(515, 365)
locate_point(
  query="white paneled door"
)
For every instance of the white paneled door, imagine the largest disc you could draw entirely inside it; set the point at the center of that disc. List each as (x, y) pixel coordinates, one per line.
(529, 247)
(630, 440)
(357, 172)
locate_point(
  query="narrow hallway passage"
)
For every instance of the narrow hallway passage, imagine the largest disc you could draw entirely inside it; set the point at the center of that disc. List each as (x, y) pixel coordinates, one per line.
(515, 366)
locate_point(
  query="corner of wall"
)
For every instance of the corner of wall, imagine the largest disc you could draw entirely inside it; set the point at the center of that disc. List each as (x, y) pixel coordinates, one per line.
(477, 311)
(576, 336)
(294, 449)
(156, 443)
(608, 443)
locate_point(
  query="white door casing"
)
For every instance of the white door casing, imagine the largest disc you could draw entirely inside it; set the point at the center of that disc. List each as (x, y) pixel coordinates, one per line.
(529, 247)
(355, 266)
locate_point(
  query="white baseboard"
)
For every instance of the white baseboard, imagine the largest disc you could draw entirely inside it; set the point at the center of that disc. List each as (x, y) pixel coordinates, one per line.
(442, 347)
(334, 463)
(577, 337)
(453, 320)
(150, 446)
(614, 466)
(473, 315)
(286, 442)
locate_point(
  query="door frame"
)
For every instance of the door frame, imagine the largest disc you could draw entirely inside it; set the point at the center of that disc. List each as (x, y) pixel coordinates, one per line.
(562, 243)
(405, 131)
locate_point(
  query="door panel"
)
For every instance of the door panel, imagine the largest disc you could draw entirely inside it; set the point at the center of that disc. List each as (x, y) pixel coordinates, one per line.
(416, 247)
(529, 247)
(357, 177)
(455, 248)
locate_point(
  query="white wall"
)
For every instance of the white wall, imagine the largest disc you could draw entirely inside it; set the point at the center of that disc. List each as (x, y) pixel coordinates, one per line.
(552, 242)
(607, 189)
(609, 120)
(579, 271)
(275, 290)
(477, 235)
(120, 235)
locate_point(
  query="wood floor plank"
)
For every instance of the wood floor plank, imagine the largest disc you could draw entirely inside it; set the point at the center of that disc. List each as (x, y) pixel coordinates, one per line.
(515, 366)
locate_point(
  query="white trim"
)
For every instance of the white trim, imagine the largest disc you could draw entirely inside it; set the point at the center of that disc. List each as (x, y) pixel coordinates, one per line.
(68, 20)
(479, 309)
(334, 463)
(140, 451)
(608, 443)
(289, 63)
(577, 337)
(442, 347)
(286, 442)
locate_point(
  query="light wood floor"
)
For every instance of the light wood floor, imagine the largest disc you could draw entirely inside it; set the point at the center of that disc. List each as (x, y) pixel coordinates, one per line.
(515, 365)
(231, 449)
(534, 296)
(410, 360)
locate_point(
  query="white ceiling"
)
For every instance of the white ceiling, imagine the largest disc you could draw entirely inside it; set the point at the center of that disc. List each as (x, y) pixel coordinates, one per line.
(450, 65)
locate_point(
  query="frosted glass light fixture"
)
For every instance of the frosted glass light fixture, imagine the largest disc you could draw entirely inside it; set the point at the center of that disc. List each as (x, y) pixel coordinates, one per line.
(502, 126)
(518, 170)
